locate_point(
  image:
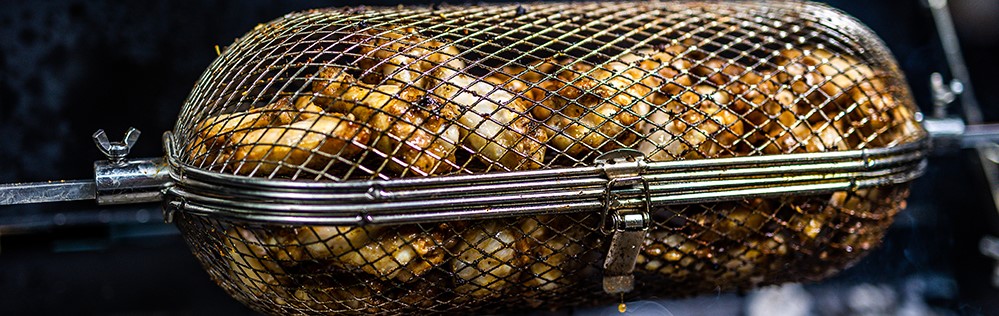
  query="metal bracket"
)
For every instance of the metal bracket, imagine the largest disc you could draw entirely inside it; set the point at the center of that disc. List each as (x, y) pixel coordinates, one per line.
(947, 133)
(122, 181)
(628, 226)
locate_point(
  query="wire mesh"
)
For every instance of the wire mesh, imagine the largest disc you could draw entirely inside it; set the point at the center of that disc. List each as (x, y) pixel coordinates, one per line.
(381, 94)
(388, 93)
(535, 262)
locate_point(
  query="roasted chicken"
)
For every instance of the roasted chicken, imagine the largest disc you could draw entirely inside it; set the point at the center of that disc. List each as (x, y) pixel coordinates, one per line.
(280, 138)
(699, 124)
(496, 122)
(384, 253)
(403, 58)
(416, 132)
(487, 258)
(409, 105)
(596, 108)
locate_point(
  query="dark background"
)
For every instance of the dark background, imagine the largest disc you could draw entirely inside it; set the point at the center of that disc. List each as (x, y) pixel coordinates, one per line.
(68, 68)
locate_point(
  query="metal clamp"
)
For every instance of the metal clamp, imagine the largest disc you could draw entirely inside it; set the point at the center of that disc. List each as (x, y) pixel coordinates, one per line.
(627, 225)
(122, 181)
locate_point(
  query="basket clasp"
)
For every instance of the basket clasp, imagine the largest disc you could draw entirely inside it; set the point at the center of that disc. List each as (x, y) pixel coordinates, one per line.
(628, 224)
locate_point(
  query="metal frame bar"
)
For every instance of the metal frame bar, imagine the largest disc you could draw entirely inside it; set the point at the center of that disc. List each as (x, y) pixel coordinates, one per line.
(538, 192)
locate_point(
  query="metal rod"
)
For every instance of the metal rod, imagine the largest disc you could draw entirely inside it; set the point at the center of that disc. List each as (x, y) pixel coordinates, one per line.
(988, 157)
(951, 133)
(952, 49)
(124, 182)
(974, 135)
(52, 191)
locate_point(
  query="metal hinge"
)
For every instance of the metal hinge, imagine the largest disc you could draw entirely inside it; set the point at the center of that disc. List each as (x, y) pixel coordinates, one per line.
(627, 225)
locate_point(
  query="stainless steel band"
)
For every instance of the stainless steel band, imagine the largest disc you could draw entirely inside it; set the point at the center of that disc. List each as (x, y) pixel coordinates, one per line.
(537, 192)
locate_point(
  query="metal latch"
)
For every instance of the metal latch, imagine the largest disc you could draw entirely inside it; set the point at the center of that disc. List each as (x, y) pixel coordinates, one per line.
(628, 225)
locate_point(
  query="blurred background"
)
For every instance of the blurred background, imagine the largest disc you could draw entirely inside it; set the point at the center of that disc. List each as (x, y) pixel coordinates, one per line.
(68, 68)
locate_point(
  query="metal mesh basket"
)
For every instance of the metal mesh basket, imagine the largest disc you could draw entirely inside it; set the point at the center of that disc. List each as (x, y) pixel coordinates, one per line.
(474, 158)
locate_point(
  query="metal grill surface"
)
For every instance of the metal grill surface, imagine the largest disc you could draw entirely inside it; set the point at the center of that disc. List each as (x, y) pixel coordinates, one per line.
(342, 95)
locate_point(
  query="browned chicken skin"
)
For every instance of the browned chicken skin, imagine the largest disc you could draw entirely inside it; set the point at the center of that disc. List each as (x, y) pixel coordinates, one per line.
(596, 108)
(402, 57)
(385, 253)
(702, 125)
(310, 143)
(497, 122)
(292, 135)
(416, 140)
